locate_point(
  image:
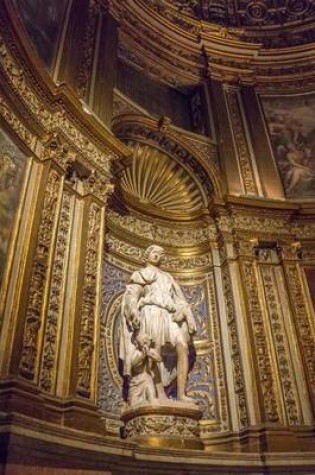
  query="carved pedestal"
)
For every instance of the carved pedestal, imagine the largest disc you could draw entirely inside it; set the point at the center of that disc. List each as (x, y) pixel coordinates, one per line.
(171, 424)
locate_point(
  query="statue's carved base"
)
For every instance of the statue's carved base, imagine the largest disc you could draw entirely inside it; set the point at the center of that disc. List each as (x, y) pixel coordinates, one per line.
(170, 424)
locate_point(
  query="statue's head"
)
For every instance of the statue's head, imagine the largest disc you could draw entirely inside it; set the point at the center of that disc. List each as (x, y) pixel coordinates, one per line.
(154, 255)
(143, 341)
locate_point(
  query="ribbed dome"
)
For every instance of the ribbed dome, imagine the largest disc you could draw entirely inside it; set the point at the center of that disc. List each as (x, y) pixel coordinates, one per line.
(155, 179)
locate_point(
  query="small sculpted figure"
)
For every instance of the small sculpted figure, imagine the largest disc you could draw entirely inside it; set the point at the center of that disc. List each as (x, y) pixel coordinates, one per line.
(143, 372)
(154, 305)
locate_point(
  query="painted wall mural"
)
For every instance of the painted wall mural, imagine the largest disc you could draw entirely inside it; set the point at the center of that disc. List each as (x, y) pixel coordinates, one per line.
(12, 165)
(201, 382)
(42, 20)
(291, 125)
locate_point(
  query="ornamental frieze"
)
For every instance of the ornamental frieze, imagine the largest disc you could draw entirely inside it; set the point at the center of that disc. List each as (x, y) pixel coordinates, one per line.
(175, 236)
(220, 372)
(129, 251)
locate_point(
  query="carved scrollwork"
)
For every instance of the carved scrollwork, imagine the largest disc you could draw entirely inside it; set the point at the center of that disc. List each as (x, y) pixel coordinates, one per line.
(88, 48)
(86, 353)
(257, 11)
(57, 149)
(98, 184)
(238, 375)
(162, 425)
(279, 340)
(178, 236)
(54, 310)
(218, 356)
(21, 131)
(240, 141)
(38, 281)
(303, 325)
(267, 383)
(49, 118)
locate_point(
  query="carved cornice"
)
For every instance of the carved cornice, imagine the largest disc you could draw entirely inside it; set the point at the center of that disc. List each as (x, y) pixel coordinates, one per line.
(240, 220)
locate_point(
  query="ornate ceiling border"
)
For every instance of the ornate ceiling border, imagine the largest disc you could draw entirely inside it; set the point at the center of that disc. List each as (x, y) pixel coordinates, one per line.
(167, 50)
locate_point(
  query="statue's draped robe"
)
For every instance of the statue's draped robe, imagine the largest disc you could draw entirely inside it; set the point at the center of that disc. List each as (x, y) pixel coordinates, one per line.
(156, 296)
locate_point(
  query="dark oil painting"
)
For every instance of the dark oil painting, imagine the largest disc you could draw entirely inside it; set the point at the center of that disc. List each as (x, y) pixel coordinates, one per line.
(12, 165)
(42, 20)
(291, 125)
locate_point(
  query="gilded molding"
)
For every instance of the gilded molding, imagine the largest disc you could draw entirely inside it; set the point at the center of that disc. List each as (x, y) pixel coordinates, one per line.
(234, 52)
(261, 347)
(56, 296)
(240, 141)
(171, 235)
(49, 118)
(278, 335)
(218, 356)
(86, 342)
(39, 278)
(303, 325)
(155, 426)
(238, 372)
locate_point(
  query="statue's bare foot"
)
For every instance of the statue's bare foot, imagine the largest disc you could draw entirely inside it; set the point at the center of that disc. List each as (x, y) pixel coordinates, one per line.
(188, 400)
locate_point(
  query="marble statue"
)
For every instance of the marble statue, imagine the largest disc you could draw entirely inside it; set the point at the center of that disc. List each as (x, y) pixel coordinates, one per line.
(155, 316)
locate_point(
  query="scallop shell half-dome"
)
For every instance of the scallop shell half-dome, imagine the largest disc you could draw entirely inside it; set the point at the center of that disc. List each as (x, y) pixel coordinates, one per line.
(153, 178)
